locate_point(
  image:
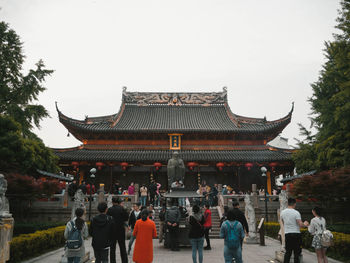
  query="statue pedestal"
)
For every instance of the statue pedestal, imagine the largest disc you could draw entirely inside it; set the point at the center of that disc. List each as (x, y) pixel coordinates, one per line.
(251, 239)
(6, 231)
(279, 255)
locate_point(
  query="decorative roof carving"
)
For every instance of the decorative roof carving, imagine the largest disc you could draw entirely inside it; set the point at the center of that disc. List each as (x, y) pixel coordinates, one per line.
(143, 112)
(175, 99)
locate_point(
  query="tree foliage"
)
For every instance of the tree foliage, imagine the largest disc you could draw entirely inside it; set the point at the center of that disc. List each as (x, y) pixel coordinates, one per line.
(324, 186)
(22, 189)
(20, 148)
(330, 104)
(23, 154)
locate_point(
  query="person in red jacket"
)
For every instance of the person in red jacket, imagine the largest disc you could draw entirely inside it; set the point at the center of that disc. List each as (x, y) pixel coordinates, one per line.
(207, 225)
(88, 187)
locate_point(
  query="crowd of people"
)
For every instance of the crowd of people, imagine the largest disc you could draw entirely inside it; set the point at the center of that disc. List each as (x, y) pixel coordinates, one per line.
(109, 227)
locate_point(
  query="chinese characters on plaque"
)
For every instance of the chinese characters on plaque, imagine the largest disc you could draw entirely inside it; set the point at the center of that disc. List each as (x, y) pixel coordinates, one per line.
(175, 141)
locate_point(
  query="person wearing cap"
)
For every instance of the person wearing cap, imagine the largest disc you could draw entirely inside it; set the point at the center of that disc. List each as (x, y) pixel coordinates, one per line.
(120, 216)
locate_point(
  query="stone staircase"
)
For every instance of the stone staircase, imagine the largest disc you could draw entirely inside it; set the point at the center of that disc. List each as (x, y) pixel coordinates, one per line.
(215, 231)
(215, 220)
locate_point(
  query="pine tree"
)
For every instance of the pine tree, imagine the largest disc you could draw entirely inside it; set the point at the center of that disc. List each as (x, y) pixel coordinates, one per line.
(19, 91)
(330, 104)
(20, 148)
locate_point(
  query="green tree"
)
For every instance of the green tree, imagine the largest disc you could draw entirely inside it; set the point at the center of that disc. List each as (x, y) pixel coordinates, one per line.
(20, 148)
(19, 91)
(330, 104)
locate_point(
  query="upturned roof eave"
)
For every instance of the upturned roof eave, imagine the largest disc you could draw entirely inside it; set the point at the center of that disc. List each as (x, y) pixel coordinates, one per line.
(74, 123)
(163, 155)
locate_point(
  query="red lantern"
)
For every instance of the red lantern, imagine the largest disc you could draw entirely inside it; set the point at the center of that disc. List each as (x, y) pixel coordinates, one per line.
(273, 165)
(220, 166)
(75, 165)
(99, 165)
(191, 165)
(249, 165)
(157, 165)
(124, 165)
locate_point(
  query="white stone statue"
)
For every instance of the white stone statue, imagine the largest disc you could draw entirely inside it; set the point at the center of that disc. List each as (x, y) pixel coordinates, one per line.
(283, 198)
(4, 203)
(250, 216)
(79, 201)
(109, 200)
(6, 222)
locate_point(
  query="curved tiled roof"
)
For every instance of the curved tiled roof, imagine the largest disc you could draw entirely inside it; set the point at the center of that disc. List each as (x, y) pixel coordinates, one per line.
(265, 155)
(183, 112)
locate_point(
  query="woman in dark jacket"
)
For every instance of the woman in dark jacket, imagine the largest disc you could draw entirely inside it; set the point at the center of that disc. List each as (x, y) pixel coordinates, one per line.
(196, 234)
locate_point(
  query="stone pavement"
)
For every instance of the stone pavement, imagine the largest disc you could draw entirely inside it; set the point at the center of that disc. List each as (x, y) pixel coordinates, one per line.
(251, 254)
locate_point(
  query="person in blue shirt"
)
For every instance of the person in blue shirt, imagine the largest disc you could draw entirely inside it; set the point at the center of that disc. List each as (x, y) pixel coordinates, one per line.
(232, 222)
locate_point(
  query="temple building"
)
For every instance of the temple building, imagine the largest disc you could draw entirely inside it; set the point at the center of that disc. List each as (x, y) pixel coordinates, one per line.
(135, 144)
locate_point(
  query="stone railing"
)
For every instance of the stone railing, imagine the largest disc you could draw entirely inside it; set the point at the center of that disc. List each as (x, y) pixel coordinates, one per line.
(62, 201)
(227, 200)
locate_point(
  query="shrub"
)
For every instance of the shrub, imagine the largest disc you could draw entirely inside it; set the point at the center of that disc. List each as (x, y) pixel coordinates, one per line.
(341, 228)
(26, 228)
(30, 245)
(340, 249)
(271, 229)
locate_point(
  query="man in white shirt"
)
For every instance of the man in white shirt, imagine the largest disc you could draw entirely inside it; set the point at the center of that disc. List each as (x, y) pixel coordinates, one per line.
(292, 222)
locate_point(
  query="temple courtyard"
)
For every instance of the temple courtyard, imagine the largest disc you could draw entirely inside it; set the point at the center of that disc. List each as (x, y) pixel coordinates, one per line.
(251, 253)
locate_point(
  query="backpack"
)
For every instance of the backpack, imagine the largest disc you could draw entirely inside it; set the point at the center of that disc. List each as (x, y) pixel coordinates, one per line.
(232, 239)
(71, 190)
(162, 216)
(201, 227)
(326, 237)
(74, 241)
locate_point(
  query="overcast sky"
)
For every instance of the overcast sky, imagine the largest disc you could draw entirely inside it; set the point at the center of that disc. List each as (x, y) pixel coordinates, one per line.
(267, 53)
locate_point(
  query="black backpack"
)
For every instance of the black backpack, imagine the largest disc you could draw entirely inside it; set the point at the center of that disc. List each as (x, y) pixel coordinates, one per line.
(71, 190)
(75, 240)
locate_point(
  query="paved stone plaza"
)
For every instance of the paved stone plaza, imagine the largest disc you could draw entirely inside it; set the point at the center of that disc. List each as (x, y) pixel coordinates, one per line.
(251, 254)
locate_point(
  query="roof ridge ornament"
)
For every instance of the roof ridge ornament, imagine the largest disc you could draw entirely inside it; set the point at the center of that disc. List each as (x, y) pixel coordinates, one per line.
(175, 99)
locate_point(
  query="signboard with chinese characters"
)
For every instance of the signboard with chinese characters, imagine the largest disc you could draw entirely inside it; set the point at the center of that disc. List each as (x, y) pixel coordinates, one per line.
(175, 141)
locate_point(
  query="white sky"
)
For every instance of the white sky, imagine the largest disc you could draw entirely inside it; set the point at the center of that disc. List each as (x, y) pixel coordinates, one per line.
(265, 52)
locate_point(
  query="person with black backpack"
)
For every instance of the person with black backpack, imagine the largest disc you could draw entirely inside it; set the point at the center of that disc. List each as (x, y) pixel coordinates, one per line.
(233, 233)
(101, 230)
(196, 233)
(75, 233)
